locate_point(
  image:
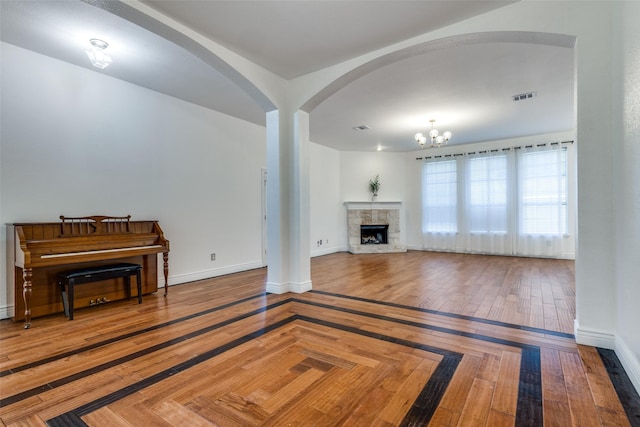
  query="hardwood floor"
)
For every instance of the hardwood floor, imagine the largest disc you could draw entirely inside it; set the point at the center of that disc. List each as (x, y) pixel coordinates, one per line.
(382, 340)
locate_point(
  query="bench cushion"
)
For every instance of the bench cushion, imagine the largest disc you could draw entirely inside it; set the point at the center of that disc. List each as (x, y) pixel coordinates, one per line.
(100, 272)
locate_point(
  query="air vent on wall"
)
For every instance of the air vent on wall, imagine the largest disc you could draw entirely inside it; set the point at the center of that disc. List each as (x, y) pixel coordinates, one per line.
(522, 96)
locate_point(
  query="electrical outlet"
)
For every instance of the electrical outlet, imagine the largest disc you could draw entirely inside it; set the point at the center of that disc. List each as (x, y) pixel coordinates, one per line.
(213, 257)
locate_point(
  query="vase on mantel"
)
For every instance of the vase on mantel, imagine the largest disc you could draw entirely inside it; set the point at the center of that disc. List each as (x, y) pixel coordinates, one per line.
(374, 187)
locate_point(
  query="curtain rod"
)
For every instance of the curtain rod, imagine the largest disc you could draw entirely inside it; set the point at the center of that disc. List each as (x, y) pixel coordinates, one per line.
(494, 150)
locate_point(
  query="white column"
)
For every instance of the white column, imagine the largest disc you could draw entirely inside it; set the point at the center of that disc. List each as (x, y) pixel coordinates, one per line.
(288, 250)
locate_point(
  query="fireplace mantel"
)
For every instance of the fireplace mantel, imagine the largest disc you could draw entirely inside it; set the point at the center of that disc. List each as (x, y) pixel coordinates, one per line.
(389, 213)
(373, 205)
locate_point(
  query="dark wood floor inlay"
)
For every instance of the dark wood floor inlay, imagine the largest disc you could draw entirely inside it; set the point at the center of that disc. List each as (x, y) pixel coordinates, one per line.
(624, 387)
(131, 356)
(454, 315)
(122, 337)
(385, 339)
(419, 414)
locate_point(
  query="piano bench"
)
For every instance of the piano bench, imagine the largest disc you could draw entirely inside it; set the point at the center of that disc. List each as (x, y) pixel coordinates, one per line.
(68, 279)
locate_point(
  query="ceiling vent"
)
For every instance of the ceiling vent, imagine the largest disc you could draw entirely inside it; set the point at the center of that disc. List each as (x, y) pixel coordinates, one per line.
(361, 127)
(522, 96)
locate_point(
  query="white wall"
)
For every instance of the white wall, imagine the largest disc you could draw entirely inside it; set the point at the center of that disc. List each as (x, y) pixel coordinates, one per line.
(75, 142)
(357, 168)
(328, 220)
(626, 55)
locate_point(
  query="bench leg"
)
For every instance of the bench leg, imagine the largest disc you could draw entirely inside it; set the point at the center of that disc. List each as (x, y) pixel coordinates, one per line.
(127, 286)
(70, 286)
(65, 298)
(139, 284)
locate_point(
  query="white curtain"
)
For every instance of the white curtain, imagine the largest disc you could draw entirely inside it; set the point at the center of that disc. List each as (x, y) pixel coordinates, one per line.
(512, 201)
(488, 198)
(440, 204)
(542, 201)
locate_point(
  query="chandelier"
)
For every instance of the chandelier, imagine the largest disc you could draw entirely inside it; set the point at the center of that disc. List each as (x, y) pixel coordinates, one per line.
(437, 140)
(97, 54)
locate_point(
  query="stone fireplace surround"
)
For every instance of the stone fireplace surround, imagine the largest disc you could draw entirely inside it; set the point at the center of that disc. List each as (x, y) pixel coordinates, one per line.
(376, 213)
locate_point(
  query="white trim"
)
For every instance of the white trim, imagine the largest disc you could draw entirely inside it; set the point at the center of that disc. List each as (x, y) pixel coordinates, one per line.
(372, 205)
(461, 251)
(277, 288)
(207, 274)
(7, 312)
(629, 361)
(300, 288)
(594, 337)
(327, 251)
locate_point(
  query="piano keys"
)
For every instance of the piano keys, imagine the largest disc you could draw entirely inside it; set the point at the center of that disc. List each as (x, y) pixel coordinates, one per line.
(44, 249)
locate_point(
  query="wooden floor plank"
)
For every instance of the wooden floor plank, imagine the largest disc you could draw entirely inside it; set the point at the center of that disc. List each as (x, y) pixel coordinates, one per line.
(505, 397)
(476, 410)
(581, 404)
(361, 349)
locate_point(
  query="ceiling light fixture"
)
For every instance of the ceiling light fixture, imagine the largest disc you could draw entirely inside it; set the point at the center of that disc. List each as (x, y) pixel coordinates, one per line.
(99, 58)
(437, 140)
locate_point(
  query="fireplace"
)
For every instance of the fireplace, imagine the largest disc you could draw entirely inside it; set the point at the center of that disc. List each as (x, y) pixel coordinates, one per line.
(375, 227)
(375, 234)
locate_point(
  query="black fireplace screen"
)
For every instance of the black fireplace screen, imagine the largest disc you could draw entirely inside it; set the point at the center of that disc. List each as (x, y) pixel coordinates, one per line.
(374, 234)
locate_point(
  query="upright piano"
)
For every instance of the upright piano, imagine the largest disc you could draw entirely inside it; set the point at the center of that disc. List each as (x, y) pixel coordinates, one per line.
(44, 249)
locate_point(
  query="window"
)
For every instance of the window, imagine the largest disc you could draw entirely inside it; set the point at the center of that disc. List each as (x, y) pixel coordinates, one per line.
(543, 192)
(440, 196)
(511, 201)
(487, 194)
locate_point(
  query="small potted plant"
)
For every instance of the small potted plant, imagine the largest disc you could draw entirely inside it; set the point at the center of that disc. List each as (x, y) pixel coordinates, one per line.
(374, 187)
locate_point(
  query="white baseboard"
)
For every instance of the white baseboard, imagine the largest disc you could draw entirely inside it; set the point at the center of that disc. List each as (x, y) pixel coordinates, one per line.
(594, 337)
(207, 274)
(299, 288)
(324, 251)
(283, 288)
(608, 340)
(7, 312)
(277, 288)
(327, 251)
(629, 361)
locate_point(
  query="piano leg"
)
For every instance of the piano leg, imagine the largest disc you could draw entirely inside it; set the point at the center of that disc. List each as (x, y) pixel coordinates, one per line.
(26, 295)
(165, 257)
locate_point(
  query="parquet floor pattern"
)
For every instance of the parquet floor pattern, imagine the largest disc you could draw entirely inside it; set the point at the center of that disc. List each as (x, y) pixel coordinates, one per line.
(375, 343)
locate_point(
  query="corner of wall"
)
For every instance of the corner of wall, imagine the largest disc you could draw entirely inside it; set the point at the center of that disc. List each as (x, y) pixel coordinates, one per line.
(594, 337)
(299, 288)
(277, 288)
(630, 362)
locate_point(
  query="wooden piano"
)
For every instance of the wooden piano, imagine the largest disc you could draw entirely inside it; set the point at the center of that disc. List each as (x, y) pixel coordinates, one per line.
(44, 249)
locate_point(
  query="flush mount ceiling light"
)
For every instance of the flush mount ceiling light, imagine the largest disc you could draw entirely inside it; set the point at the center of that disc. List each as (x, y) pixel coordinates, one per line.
(437, 140)
(98, 55)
